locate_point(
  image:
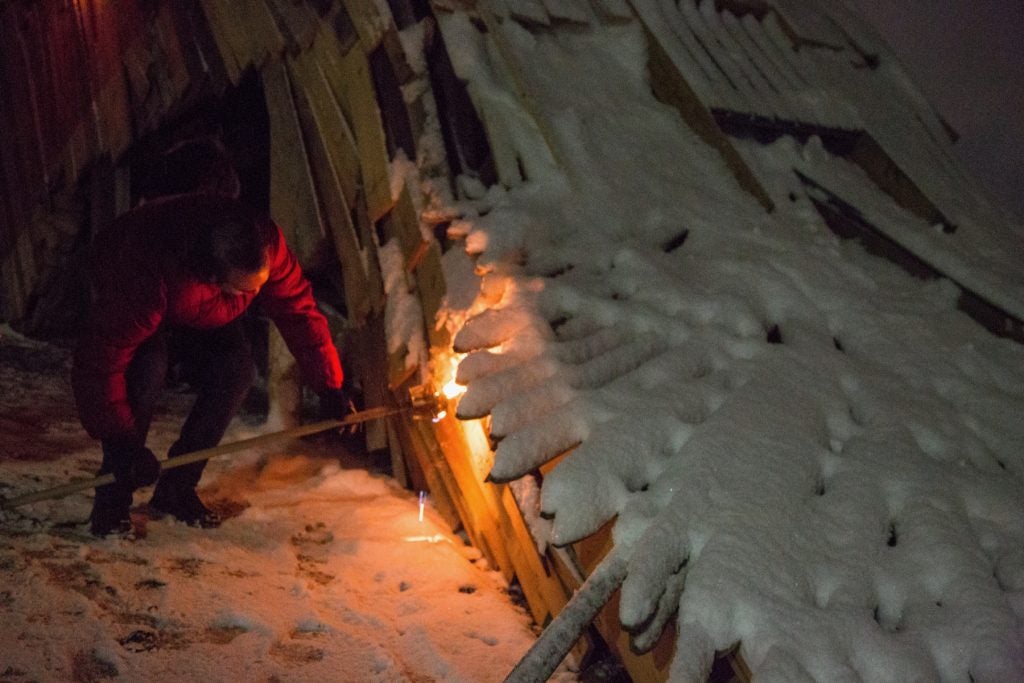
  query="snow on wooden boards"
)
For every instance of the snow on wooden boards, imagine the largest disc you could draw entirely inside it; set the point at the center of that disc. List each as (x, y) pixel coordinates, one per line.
(672, 88)
(746, 58)
(848, 222)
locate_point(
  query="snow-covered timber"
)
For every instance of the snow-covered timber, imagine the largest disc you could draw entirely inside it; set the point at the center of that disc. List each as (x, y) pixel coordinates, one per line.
(558, 637)
(513, 125)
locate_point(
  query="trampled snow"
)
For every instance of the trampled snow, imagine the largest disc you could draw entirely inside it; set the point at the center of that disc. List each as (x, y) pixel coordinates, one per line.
(323, 571)
(805, 450)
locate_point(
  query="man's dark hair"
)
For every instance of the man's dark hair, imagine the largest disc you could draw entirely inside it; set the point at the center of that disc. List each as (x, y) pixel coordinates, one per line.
(226, 235)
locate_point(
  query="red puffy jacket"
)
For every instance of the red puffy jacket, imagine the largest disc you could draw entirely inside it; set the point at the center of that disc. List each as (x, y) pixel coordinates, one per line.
(139, 284)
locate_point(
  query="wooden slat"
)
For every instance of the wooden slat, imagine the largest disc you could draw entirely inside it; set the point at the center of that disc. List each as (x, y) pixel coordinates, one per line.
(481, 499)
(653, 666)
(391, 44)
(332, 159)
(249, 29)
(352, 85)
(370, 20)
(732, 83)
(230, 46)
(175, 78)
(498, 8)
(297, 23)
(672, 88)
(666, 23)
(747, 55)
(576, 11)
(613, 10)
(293, 199)
(529, 11)
(544, 593)
(423, 258)
(306, 72)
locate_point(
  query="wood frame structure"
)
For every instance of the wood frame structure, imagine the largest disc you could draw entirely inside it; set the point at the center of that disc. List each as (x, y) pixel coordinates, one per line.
(334, 76)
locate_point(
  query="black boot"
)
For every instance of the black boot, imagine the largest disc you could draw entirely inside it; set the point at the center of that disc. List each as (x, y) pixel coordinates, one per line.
(181, 502)
(110, 510)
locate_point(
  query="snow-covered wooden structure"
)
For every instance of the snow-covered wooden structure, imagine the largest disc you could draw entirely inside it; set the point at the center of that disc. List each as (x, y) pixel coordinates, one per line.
(396, 137)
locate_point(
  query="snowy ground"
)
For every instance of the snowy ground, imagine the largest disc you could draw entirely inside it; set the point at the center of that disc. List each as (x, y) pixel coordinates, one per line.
(325, 571)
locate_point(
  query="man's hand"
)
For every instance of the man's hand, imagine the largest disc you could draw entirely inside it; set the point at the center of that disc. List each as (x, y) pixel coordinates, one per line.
(334, 404)
(134, 466)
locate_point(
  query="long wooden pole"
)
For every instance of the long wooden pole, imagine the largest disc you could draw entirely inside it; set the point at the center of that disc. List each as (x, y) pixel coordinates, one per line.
(547, 652)
(207, 453)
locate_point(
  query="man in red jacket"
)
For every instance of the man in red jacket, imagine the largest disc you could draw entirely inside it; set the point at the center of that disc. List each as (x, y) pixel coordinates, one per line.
(186, 266)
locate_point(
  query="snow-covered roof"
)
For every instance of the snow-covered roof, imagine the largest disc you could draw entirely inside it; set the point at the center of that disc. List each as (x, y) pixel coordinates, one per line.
(805, 450)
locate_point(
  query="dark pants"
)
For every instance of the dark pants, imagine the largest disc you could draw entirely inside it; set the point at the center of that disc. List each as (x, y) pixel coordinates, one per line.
(221, 365)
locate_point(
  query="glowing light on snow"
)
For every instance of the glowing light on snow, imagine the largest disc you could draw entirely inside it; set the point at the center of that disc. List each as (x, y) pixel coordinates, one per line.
(423, 502)
(436, 538)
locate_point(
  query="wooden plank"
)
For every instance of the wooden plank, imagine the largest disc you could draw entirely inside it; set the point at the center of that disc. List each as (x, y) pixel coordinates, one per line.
(398, 470)
(229, 45)
(529, 11)
(613, 11)
(653, 666)
(498, 8)
(370, 20)
(670, 87)
(337, 136)
(202, 53)
(481, 500)
(266, 38)
(758, 70)
(779, 71)
(544, 593)
(331, 159)
(732, 83)
(352, 85)
(174, 72)
(432, 288)
(423, 258)
(574, 11)
(114, 117)
(293, 199)
(440, 465)
(391, 45)
(366, 232)
(297, 23)
(250, 30)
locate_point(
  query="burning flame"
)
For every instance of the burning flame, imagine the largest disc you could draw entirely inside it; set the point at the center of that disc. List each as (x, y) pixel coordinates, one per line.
(452, 389)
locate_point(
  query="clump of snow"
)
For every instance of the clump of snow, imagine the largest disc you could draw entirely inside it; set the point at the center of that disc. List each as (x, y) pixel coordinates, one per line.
(403, 313)
(806, 451)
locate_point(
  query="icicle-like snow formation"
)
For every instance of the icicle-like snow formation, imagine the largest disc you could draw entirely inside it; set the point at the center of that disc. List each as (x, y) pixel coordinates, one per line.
(806, 451)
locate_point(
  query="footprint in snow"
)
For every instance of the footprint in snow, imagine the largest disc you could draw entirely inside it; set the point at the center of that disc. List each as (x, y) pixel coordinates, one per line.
(312, 549)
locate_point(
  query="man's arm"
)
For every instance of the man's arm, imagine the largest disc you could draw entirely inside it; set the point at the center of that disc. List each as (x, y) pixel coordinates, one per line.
(288, 300)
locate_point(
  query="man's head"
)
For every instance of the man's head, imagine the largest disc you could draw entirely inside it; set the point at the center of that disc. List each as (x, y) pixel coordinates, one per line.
(240, 282)
(230, 246)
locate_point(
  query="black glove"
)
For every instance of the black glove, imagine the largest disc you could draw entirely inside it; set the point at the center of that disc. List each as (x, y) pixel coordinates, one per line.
(334, 404)
(134, 466)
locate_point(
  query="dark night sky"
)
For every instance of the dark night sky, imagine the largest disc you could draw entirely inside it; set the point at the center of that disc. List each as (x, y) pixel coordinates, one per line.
(968, 58)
